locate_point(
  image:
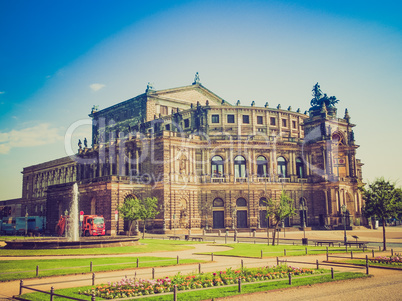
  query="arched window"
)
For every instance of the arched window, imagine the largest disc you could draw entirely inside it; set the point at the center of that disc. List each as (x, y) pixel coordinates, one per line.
(262, 166)
(338, 138)
(217, 166)
(240, 167)
(241, 202)
(282, 172)
(263, 202)
(218, 203)
(299, 168)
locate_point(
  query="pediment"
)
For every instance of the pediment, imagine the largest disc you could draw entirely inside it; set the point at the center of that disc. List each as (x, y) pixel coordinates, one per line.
(189, 94)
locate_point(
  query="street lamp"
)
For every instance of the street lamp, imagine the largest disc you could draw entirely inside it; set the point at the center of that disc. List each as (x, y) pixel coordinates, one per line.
(343, 207)
(26, 223)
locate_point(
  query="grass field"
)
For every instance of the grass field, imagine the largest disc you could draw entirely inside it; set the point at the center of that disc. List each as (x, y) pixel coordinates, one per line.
(23, 269)
(222, 291)
(362, 262)
(145, 246)
(254, 250)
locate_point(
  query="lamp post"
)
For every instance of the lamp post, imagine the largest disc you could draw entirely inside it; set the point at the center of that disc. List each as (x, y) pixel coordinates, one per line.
(343, 207)
(26, 223)
(66, 225)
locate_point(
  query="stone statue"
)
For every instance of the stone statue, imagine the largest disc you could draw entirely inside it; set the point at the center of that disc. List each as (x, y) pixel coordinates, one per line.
(320, 98)
(85, 142)
(79, 143)
(196, 79)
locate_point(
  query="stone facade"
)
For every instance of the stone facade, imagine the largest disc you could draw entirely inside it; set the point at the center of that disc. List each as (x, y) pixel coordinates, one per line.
(210, 164)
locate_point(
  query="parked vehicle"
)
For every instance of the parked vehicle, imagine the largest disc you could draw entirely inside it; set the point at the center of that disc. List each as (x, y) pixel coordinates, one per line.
(8, 226)
(91, 225)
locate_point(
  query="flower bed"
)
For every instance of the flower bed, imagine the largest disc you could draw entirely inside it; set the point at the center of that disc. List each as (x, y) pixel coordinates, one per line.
(391, 260)
(129, 287)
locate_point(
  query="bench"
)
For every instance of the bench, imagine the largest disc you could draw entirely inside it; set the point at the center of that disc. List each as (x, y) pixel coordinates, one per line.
(197, 238)
(360, 244)
(174, 237)
(321, 242)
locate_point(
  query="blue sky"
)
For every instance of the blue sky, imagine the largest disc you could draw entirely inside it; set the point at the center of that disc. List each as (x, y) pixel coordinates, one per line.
(59, 58)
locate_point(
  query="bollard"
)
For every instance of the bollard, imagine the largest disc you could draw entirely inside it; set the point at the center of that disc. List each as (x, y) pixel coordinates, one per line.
(327, 249)
(372, 253)
(153, 273)
(261, 254)
(199, 268)
(93, 278)
(284, 252)
(242, 264)
(51, 293)
(90, 267)
(93, 297)
(239, 284)
(306, 251)
(367, 265)
(339, 245)
(290, 279)
(317, 264)
(175, 292)
(37, 271)
(177, 259)
(379, 248)
(392, 252)
(332, 273)
(254, 241)
(212, 256)
(277, 260)
(327, 253)
(138, 262)
(351, 254)
(346, 246)
(21, 284)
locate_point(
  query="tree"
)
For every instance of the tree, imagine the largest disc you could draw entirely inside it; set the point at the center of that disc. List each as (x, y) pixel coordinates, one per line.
(279, 211)
(382, 201)
(148, 209)
(130, 210)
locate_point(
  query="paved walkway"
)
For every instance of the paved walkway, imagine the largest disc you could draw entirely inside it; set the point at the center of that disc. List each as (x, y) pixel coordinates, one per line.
(385, 284)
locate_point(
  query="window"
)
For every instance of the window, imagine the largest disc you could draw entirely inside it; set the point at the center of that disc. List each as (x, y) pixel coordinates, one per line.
(240, 167)
(218, 203)
(284, 123)
(186, 123)
(260, 119)
(282, 167)
(231, 118)
(217, 166)
(215, 118)
(263, 202)
(167, 127)
(299, 168)
(272, 120)
(246, 119)
(241, 202)
(293, 124)
(164, 110)
(262, 169)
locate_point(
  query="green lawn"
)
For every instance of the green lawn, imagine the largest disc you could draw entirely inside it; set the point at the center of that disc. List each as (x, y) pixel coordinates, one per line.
(145, 246)
(362, 262)
(254, 250)
(222, 291)
(23, 269)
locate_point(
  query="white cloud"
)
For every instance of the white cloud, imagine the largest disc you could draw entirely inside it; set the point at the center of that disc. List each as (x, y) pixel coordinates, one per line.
(96, 87)
(40, 134)
(2, 92)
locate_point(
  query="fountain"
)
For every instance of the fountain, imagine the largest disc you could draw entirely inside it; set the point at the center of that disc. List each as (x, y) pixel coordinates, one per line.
(72, 239)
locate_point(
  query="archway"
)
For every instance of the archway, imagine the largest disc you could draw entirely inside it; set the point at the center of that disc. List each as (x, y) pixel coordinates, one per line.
(264, 221)
(241, 214)
(218, 214)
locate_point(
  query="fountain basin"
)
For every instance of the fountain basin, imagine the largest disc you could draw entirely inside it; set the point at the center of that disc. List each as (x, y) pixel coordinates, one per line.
(63, 243)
